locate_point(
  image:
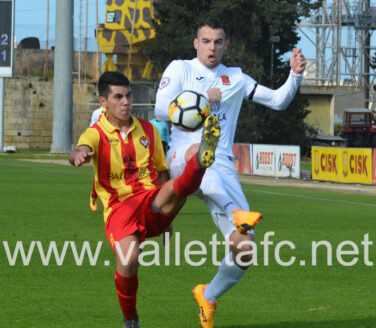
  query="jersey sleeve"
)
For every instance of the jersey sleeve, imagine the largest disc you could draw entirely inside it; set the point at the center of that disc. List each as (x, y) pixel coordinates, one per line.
(159, 159)
(169, 86)
(250, 86)
(89, 138)
(280, 98)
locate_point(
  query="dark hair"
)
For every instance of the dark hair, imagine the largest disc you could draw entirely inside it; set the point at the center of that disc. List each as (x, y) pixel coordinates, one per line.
(213, 23)
(111, 78)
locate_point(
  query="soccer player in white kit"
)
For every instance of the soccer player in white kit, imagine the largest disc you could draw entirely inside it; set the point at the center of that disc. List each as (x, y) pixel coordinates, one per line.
(226, 88)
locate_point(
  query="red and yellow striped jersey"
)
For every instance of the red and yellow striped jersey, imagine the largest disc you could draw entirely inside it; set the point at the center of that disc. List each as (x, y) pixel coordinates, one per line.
(124, 165)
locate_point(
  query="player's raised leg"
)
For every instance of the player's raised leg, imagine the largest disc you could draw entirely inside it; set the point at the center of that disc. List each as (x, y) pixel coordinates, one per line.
(209, 141)
(172, 194)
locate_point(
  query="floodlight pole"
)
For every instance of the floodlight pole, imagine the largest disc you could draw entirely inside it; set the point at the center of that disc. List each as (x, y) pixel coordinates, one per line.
(63, 80)
(2, 90)
(6, 55)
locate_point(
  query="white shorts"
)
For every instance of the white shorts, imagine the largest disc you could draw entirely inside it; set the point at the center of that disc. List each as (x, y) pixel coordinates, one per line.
(220, 187)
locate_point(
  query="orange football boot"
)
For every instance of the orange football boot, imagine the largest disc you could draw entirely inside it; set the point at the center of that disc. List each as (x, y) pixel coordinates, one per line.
(245, 220)
(207, 309)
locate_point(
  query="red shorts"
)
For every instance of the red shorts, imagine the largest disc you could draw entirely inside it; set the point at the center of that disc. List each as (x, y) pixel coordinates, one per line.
(135, 215)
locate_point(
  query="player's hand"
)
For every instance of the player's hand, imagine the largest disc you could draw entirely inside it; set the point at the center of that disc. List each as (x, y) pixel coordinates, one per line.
(298, 62)
(215, 95)
(82, 157)
(167, 233)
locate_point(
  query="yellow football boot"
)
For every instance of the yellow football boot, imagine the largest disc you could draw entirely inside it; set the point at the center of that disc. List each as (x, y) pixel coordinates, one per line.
(209, 141)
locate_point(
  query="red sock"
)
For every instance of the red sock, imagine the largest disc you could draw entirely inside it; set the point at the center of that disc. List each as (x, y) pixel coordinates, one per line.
(93, 192)
(190, 180)
(126, 288)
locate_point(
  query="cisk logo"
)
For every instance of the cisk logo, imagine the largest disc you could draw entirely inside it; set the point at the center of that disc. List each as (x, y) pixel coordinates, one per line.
(316, 162)
(357, 164)
(345, 164)
(325, 163)
(328, 163)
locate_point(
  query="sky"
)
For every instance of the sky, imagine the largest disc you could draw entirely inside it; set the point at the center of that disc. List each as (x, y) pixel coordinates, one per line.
(31, 19)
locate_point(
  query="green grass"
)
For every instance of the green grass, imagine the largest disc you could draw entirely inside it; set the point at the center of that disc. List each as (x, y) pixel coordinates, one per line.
(306, 165)
(32, 154)
(49, 202)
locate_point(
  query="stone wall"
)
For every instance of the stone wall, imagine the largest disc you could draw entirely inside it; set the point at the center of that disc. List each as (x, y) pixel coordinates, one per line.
(28, 109)
(30, 62)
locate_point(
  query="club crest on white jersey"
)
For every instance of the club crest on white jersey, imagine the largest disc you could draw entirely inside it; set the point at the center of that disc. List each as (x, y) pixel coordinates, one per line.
(164, 82)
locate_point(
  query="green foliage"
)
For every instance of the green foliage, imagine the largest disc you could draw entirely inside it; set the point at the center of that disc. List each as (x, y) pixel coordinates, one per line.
(258, 124)
(250, 24)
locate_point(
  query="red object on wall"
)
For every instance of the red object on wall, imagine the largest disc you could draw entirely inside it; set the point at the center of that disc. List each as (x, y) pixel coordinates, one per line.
(374, 167)
(242, 155)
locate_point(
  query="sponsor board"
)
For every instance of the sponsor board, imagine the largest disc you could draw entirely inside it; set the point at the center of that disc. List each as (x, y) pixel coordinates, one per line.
(276, 161)
(374, 167)
(351, 165)
(242, 153)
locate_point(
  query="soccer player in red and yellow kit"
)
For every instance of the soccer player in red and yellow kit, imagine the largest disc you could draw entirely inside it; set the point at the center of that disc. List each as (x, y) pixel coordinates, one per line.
(132, 181)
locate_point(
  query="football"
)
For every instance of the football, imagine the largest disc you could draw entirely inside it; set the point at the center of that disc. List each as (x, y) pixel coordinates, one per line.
(188, 110)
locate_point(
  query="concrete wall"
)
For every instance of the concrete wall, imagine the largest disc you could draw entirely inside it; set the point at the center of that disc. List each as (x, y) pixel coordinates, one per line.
(319, 105)
(328, 103)
(28, 110)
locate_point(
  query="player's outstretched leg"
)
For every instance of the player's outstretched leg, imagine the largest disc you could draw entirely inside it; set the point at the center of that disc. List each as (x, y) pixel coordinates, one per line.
(209, 141)
(207, 309)
(190, 180)
(131, 323)
(245, 220)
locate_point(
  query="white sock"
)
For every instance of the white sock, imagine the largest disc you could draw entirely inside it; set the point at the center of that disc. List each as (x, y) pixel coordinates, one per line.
(228, 275)
(229, 207)
(223, 201)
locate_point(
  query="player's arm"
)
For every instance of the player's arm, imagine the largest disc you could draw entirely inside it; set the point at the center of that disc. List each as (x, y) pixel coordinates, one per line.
(86, 148)
(81, 155)
(298, 62)
(163, 176)
(280, 98)
(169, 86)
(214, 95)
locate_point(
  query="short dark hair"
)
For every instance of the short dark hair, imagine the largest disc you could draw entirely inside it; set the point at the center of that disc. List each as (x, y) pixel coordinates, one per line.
(111, 78)
(213, 23)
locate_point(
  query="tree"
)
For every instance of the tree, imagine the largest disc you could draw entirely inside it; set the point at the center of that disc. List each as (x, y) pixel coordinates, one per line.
(250, 24)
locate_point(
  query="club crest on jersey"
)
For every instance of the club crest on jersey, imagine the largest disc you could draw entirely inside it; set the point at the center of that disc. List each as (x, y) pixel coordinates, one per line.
(145, 141)
(164, 82)
(225, 80)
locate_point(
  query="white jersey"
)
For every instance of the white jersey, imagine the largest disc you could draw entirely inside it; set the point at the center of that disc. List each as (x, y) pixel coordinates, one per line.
(95, 115)
(235, 86)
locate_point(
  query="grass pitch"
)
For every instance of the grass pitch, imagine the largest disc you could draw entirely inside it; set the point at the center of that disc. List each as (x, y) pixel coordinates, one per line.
(49, 202)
